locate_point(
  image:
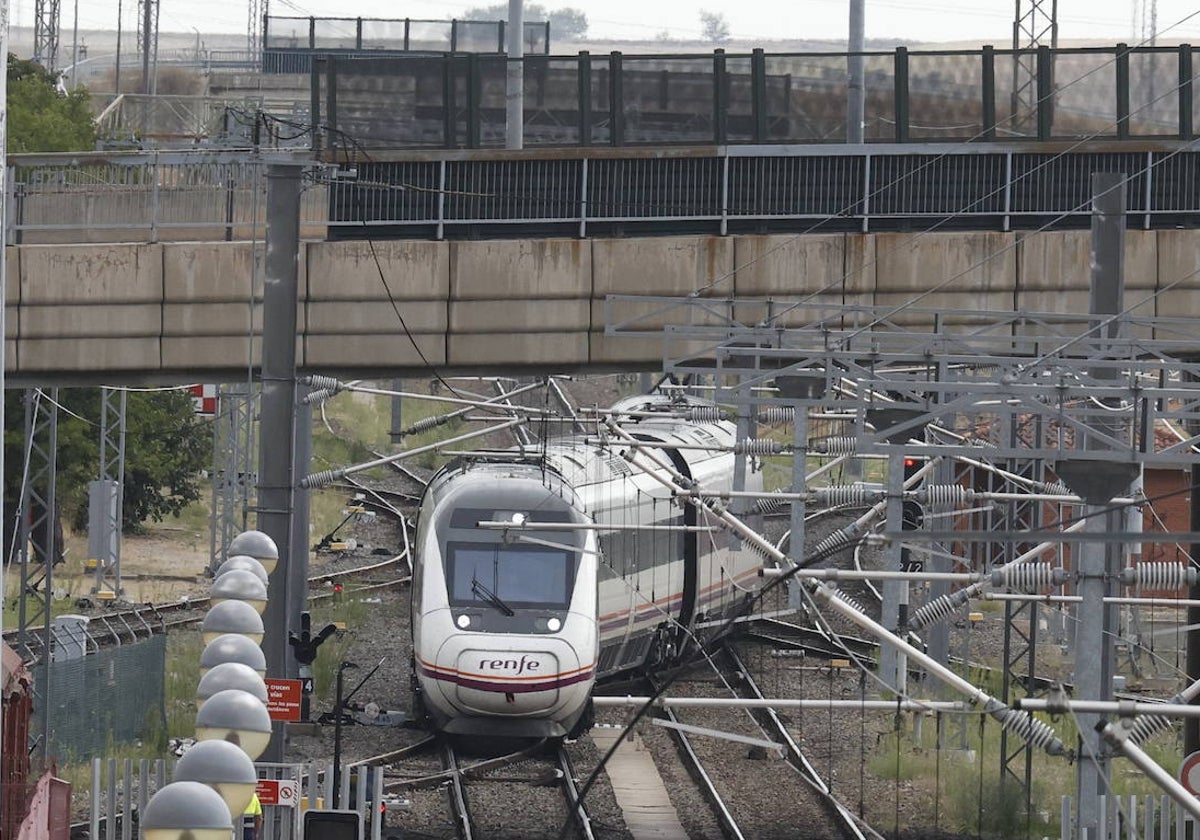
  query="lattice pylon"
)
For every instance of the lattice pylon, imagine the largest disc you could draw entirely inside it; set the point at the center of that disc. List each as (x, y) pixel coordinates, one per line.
(1035, 25)
(45, 33)
(147, 43)
(105, 497)
(255, 31)
(38, 534)
(234, 472)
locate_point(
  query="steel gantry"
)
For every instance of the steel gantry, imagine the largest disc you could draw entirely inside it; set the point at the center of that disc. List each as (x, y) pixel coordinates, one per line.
(235, 470)
(104, 497)
(1062, 407)
(45, 33)
(1035, 33)
(38, 537)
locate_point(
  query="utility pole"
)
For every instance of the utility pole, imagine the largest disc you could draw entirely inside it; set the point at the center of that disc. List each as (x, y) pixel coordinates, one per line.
(148, 42)
(514, 96)
(1097, 564)
(277, 476)
(856, 99)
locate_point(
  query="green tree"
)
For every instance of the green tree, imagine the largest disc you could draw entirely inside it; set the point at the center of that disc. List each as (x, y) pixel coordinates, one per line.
(42, 118)
(566, 23)
(714, 27)
(166, 451)
(166, 446)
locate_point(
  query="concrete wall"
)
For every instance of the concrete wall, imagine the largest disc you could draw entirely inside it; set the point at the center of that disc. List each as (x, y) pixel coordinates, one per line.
(175, 311)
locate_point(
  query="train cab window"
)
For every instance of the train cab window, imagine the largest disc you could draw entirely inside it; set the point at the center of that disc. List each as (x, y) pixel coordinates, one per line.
(520, 576)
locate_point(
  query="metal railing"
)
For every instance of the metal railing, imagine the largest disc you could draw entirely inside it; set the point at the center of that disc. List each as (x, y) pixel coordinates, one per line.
(290, 44)
(458, 100)
(1130, 818)
(181, 120)
(120, 789)
(146, 197)
(760, 190)
(207, 195)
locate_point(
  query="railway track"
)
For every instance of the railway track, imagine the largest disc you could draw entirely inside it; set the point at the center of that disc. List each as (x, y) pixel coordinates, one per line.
(733, 756)
(529, 793)
(777, 730)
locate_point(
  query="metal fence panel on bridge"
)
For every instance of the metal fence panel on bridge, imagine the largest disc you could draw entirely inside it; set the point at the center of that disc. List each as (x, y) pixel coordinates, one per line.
(145, 197)
(206, 196)
(456, 100)
(760, 190)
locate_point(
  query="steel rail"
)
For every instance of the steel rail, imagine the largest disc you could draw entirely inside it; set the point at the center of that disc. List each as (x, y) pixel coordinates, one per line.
(575, 805)
(796, 759)
(455, 793)
(695, 767)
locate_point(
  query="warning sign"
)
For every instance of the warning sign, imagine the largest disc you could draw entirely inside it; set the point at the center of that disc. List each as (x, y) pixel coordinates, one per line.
(285, 792)
(1189, 773)
(283, 699)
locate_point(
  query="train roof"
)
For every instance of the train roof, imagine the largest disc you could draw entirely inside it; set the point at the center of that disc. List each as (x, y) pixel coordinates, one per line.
(580, 460)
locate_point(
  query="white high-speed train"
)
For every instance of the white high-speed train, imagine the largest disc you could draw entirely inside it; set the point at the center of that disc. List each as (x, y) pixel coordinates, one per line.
(512, 627)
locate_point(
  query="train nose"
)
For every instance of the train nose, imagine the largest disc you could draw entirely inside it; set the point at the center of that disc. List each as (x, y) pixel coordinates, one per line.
(508, 683)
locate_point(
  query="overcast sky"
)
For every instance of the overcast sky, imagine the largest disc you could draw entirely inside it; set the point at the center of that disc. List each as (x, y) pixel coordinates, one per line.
(974, 21)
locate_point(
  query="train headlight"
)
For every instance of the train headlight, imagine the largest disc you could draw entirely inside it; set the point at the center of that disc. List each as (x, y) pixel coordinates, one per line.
(463, 621)
(553, 624)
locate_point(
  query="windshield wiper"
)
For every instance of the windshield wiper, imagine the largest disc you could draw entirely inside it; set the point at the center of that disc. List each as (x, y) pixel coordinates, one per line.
(491, 597)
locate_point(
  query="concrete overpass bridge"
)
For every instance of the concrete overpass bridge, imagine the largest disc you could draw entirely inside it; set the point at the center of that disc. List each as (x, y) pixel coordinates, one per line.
(148, 267)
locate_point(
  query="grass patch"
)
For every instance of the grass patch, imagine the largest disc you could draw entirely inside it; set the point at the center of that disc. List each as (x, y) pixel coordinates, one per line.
(184, 647)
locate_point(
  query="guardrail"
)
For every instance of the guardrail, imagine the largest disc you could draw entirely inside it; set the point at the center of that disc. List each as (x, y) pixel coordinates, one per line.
(146, 197)
(207, 195)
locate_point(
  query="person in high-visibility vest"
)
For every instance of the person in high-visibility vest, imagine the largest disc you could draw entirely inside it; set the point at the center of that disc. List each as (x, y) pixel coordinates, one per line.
(252, 819)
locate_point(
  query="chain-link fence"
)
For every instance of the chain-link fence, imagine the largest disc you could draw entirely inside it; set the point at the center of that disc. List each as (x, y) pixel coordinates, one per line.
(114, 695)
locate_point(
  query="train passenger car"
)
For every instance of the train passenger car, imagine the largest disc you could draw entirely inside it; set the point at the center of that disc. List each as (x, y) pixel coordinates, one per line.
(600, 571)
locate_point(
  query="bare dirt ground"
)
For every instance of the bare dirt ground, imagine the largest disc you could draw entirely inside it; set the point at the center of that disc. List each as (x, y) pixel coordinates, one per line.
(158, 566)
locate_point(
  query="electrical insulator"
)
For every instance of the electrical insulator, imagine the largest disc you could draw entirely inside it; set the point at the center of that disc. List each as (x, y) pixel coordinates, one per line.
(704, 414)
(777, 414)
(757, 446)
(771, 505)
(947, 495)
(849, 495)
(1158, 574)
(938, 609)
(832, 543)
(849, 599)
(1028, 577)
(427, 424)
(836, 445)
(1030, 730)
(318, 381)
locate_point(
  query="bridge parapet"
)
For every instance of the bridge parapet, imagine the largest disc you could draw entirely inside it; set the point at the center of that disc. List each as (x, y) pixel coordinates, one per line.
(181, 311)
(211, 196)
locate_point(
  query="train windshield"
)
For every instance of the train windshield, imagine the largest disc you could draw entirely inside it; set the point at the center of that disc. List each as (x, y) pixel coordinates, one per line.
(517, 575)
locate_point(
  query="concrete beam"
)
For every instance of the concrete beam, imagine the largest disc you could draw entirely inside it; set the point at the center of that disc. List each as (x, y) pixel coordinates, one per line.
(953, 271)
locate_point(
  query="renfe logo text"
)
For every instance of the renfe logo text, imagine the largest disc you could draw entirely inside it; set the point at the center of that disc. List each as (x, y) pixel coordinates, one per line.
(521, 666)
